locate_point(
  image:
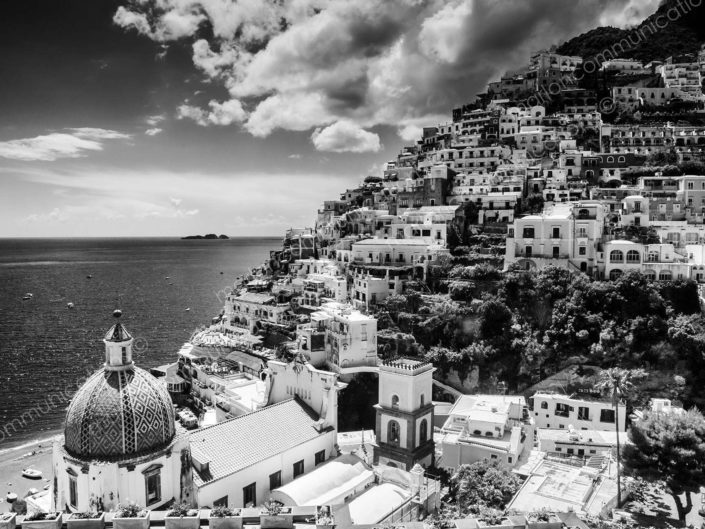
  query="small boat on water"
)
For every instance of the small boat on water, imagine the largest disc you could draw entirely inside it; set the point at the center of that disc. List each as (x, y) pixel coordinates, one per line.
(27, 296)
(188, 309)
(89, 276)
(70, 305)
(32, 473)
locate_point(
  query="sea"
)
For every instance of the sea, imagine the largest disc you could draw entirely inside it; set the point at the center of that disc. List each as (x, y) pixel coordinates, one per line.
(166, 288)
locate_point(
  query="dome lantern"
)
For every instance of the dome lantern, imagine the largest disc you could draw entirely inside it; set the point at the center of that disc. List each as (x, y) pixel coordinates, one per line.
(118, 346)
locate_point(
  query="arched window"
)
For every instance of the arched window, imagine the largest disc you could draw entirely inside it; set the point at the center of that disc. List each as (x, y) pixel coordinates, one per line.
(650, 274)
(633, 256)
(423, 431)
(544, 405)
(616, 256)
(395, 401)
(665, 275)
(614, 274)
(393, 433)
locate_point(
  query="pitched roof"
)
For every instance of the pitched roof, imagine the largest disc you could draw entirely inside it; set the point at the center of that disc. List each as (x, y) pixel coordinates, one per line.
(238, 443)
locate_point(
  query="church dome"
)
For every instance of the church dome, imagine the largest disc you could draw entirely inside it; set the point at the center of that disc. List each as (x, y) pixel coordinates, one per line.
(118, 413)
(121, 410)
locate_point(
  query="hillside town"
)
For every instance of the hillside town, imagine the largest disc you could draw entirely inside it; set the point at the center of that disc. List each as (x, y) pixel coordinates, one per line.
(502, 285)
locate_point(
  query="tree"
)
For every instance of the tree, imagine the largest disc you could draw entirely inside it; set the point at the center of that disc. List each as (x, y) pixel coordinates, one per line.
(483, 484)
(618, 382)
(669, 447)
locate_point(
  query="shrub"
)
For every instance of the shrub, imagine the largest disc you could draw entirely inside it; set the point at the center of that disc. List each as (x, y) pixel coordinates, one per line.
(181, 509)
(222, 512)
(130, 510)
(86, 515)
(37, 516)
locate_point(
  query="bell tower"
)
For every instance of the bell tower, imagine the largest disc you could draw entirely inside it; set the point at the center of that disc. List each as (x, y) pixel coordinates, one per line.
(404, 426)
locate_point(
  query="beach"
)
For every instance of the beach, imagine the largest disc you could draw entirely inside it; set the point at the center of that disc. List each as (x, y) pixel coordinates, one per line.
(36, 455)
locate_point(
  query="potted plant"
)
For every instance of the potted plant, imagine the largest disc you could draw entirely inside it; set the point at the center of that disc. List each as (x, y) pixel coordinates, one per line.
(8, 520)
(42, 520)
(182, 516)
(324, 517)
(543, 519)
(86, 520)
(131, 516)
(276, 516)
(225, 518)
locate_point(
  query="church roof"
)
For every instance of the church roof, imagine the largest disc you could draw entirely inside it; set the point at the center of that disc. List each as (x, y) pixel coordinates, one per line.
(118, 413)
(117, 333)
(238, 443)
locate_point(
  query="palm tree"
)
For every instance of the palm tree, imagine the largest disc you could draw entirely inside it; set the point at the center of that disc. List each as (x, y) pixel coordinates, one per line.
(618, 382)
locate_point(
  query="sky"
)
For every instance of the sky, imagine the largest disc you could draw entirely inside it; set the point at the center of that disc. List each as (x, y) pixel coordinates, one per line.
(178, 117)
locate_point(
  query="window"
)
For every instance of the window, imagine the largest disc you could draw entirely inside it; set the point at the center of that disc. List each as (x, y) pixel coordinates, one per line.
(556, 233)
(556, 252)
(614, 274)
(153, 484)
(298, 468)
(529, 251)
(583, 413)
(607, 416)
(320, 457)
(275, 480)
(423, 431)
(393, 433)
(665, 275)
(124, 355)
(633, 256)
(652, 257)
(528, 233)
(582, 250)
(249, 495)
(562, 410)
(395, 401)
(616, 256)
(221, 502)
(73, 491)
(544, 405)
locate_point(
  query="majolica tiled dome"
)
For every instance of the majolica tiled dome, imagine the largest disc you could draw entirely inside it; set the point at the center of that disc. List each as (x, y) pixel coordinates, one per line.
(118, 413)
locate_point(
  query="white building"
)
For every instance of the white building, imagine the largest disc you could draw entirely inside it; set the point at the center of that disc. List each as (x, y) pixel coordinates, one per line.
(578, 443)
(340, 337)
(552, 410)
(564, 235)
(656, 261)
(495, 427)
(240, 461)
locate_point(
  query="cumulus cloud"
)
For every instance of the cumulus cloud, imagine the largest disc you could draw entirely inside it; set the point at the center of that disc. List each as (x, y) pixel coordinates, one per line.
(153, 131)
(308, 64)
(345, 136)
(73, 143)
(154, 120)
(225, 113)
